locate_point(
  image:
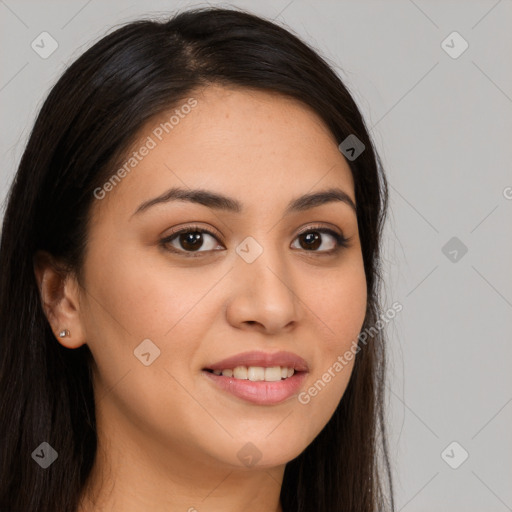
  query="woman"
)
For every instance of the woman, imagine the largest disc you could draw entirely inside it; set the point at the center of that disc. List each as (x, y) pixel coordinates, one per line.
(190, 252)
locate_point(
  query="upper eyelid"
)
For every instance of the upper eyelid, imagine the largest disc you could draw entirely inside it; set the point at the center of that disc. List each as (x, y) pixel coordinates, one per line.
(192, 229)
(212, 232)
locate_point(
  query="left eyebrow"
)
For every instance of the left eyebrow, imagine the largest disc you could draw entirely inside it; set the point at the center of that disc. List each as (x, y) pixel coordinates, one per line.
(218, 201)
(315, 199)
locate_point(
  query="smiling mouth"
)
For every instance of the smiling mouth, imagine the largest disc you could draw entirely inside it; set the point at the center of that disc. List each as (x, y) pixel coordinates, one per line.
(256, 373)
(251, 385)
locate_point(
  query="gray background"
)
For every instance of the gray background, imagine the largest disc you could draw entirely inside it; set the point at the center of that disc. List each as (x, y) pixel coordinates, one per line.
(441, 125)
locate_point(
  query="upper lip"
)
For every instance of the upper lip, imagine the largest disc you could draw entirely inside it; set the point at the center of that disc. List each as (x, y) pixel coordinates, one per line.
(264, 359)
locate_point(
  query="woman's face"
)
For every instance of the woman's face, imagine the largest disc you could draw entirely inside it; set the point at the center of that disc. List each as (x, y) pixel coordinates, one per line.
(267, 279)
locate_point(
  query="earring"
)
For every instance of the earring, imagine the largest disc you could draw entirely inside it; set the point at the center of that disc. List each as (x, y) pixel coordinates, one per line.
(64, 333)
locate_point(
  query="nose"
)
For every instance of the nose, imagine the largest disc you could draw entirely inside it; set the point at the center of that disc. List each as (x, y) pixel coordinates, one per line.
(262, 294)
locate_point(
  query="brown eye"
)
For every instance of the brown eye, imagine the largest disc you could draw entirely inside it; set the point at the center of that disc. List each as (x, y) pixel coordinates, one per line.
(189, 240)
(312, 240)
(315, 238)
(195, 240)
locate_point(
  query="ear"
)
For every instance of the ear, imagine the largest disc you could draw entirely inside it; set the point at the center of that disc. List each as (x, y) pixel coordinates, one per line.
(59, 294)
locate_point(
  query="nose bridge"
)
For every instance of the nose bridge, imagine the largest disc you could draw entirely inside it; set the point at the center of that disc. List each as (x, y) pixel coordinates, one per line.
(265, 291)
(265, 263)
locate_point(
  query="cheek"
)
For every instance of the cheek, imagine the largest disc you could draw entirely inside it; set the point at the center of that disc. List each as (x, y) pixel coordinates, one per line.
(140, 298)
(134, 302)
(340, 309)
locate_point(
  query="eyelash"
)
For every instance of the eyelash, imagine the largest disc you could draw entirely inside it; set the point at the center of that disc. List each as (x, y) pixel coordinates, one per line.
(341, 241)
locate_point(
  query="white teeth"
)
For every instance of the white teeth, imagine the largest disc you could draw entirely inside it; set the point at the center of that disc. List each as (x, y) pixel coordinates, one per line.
(240, 372)
(257, 373)
(273, 374)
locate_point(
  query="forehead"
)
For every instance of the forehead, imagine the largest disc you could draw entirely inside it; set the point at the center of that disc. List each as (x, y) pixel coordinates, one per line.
(258, 146)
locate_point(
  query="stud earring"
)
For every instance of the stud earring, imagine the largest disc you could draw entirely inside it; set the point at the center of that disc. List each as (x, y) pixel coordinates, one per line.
(64, 333)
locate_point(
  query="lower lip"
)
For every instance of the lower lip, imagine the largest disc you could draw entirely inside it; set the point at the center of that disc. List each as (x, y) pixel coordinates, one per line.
(259, 392)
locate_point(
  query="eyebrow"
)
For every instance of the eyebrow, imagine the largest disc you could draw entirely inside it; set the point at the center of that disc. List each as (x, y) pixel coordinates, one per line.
(218, 201)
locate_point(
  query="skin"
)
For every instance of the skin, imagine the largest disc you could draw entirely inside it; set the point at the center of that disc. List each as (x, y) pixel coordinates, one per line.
(168, 439)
